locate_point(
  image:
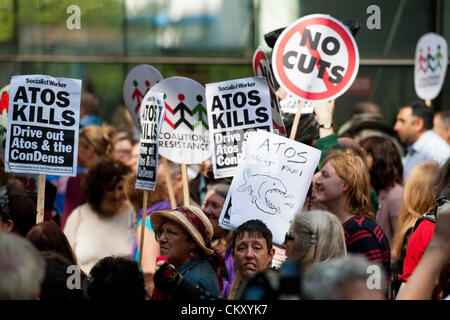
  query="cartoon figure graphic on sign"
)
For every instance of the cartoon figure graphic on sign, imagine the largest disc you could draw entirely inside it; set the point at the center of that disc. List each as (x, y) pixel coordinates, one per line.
(438, 57)
(421, 61)
(267, 193)
(4, 102)
(137, 95)
(430, 58)
(200, 109)
(182, 108)
(168, 108)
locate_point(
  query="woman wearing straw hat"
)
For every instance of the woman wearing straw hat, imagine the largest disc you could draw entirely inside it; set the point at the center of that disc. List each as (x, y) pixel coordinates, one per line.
(184, 236)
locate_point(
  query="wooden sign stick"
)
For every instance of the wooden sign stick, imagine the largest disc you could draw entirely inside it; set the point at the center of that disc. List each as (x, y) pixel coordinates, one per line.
(173, 202)
(185, 184)
(144, 219)
(237, 280)
(296, 120)
(40, 199)
(428, 103)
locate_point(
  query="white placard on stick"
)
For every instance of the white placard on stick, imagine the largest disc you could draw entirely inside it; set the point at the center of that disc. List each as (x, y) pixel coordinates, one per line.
(235, 108)
(138, 81)
(430, 65)
(271, 183)
(150, 111)
(43, 122)
(315, 58)
(184, 136)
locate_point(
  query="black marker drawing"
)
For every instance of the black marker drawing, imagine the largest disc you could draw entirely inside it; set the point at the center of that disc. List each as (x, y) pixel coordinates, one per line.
(267, 193)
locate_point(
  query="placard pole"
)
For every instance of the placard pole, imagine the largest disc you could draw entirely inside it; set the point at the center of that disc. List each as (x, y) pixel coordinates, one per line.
(143, 224)
(428, 102)
(173, 202)
(296, 120)
(40, 199)
(185, 184)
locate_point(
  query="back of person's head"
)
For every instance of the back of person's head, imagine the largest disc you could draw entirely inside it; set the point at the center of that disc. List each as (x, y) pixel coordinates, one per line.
(344, 278)
(220, 188)
(422, 111)
(47, 236)
(387, 167)
(255, 228)
(63, 280)
(319, 237)
(89, 103)
(22, 268)
(136, 196)
(353, 170)
(366, 107)
(420, 191)
(100, 138)
(116, 278)
(17, 212)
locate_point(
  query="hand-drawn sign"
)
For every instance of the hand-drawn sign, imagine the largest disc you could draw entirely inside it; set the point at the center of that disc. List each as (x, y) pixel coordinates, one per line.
(138, 81)
(430, 65)
(267, 193)
(184, 136)
(315, 58)
(261, 68)
(270, 184)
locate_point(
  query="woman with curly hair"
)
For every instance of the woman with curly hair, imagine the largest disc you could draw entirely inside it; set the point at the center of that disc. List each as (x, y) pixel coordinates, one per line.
(94, 143)
(105, 224)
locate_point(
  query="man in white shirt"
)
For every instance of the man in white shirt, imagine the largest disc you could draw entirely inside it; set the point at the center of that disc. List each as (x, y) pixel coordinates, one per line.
(414, 128)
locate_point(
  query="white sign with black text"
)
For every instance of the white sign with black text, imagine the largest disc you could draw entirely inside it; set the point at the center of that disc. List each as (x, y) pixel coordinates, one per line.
(43, 122)
(235, 108)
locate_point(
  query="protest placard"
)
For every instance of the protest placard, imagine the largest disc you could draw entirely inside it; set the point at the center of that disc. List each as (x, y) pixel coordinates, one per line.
(150, 114)
(235, 108)
(43, 121)
(315, 58)
(430, 65)
(184, 136)
(137, 83)
(261, 68)
(271, 183)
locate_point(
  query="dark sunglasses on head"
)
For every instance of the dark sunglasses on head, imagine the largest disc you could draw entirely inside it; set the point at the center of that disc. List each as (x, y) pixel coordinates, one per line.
(288, 238)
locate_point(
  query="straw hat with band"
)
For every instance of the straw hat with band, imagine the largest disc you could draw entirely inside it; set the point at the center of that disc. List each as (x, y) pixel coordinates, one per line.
(192, 219)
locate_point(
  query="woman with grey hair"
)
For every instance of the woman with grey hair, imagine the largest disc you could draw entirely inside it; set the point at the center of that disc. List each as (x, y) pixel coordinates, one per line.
(314, 236)
(351, 277)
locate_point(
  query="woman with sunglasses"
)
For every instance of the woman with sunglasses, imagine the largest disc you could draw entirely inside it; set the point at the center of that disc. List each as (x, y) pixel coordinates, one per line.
(314, 236)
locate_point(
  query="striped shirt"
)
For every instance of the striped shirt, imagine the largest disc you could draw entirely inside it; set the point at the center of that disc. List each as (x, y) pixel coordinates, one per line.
(364, 236)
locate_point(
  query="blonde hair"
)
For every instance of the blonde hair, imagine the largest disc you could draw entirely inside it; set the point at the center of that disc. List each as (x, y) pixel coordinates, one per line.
(419, 194)
(100, 138)
(319, 237)
(353, 170)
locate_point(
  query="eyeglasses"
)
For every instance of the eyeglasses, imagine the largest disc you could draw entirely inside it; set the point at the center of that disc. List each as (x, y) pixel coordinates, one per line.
(169, 234)
(288, 238)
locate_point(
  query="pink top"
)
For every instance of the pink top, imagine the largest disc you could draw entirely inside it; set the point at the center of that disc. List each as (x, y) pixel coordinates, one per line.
(389, 202)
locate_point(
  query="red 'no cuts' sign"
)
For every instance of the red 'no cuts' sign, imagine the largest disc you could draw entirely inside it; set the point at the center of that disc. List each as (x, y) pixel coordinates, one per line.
(316, 58)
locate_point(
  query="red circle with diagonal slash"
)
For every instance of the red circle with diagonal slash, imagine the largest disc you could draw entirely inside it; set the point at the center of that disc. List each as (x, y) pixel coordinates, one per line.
(333, 91)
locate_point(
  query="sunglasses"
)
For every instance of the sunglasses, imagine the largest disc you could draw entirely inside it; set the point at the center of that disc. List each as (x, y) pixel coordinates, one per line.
(288, 238)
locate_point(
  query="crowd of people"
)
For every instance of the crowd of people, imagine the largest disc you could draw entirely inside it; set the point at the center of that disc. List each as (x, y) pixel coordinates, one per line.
(371, 205)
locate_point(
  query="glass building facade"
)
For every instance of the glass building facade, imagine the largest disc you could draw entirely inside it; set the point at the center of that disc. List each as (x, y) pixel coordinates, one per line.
(208, 41)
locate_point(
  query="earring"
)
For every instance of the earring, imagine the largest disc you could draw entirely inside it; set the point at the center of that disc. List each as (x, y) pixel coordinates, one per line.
(191, 254)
